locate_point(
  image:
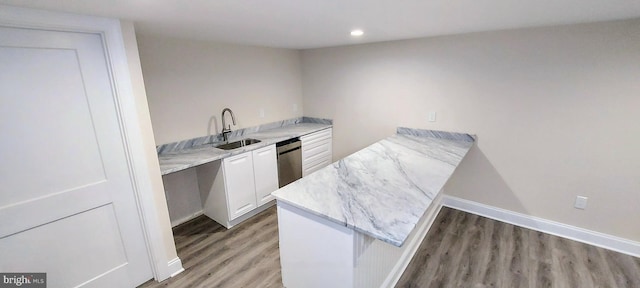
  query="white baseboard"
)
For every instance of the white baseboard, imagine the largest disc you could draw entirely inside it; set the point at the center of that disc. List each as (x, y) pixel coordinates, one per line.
(177, 222)
(175, 266)
(172, 268)
(606, 241)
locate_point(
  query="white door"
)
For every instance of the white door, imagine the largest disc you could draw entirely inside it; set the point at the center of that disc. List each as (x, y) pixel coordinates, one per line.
(240, 184)
(265, 169)
(67, 205)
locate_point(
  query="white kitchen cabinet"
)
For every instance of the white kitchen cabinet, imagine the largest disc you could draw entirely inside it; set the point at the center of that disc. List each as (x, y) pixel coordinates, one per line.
(240, 184)
(265, 169)
(316, 151)
(238, 187)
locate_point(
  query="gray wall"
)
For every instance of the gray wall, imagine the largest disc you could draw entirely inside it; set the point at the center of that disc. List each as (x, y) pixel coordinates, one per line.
(190, 82)
(555, 110)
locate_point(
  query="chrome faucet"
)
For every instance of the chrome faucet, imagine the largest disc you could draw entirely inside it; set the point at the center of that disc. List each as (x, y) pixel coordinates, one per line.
(226, 130)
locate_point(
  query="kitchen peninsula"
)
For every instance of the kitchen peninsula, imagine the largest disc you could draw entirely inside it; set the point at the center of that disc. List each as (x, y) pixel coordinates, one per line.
(358, 222)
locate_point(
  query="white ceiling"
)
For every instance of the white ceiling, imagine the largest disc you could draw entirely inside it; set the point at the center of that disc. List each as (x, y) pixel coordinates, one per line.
(304, 24)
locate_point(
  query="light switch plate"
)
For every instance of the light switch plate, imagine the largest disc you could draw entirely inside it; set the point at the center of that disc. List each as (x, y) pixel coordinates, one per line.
(581, 202)
(432, 116)
(261, 112)
(295, 107)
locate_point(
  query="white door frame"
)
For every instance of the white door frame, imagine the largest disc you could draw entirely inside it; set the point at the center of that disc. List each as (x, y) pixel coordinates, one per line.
(155, 222)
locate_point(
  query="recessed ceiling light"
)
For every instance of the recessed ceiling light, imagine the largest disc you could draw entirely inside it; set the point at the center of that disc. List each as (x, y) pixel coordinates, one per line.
(357, 33)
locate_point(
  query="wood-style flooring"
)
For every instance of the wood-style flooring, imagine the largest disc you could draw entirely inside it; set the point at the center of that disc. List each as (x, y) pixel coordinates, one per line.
(467, 250)
(460, 250)
(246, 255)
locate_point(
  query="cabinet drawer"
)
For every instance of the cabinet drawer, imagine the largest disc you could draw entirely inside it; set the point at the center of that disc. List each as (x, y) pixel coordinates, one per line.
(314, 162)
(315, 166)
(317, 158)
(316, 143)
(320, 135)
(316, 149)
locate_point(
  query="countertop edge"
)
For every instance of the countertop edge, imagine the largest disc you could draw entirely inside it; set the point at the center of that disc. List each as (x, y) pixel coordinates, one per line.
(342, 223)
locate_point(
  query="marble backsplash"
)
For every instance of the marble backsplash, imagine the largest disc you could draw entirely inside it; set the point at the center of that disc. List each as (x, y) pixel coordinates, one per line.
(436, 134)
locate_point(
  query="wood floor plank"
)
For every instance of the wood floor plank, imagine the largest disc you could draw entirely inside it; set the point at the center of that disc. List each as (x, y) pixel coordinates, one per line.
(460, 250)
(430, 251)
(447, 256)
(482, 254)
(567, 272)
(490, 276)
(540, 274)
(597, 271)
(539, 249)
(505, 245)
(519, 262)
(469, 255)
(624, 269)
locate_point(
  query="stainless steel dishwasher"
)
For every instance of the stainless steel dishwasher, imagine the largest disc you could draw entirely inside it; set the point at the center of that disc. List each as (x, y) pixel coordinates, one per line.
(289, 161)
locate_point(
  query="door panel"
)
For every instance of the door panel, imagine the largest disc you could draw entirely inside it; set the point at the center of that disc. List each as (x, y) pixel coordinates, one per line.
(67, 199)
(60, 131)
(240, 184)
(23, 216)
(265, 168)
(67, 256)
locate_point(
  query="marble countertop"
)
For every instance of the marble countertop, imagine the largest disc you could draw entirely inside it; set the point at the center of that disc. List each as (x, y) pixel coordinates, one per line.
(384, 189)
(181, 159)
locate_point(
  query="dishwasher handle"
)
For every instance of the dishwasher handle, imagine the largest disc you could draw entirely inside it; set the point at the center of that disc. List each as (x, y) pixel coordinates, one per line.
(288, 146)
(287, 142)
(287, 151)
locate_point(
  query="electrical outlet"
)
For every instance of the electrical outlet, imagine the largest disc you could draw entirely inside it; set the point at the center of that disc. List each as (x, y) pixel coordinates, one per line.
(261, 112)
(295, 107)
(581, 202)
(432, 116)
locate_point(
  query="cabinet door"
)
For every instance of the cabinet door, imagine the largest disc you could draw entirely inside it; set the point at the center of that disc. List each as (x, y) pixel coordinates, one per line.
(240, 184)
(265, 168)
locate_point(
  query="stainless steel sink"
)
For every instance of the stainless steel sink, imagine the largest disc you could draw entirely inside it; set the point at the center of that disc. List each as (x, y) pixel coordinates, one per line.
(238, 144)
